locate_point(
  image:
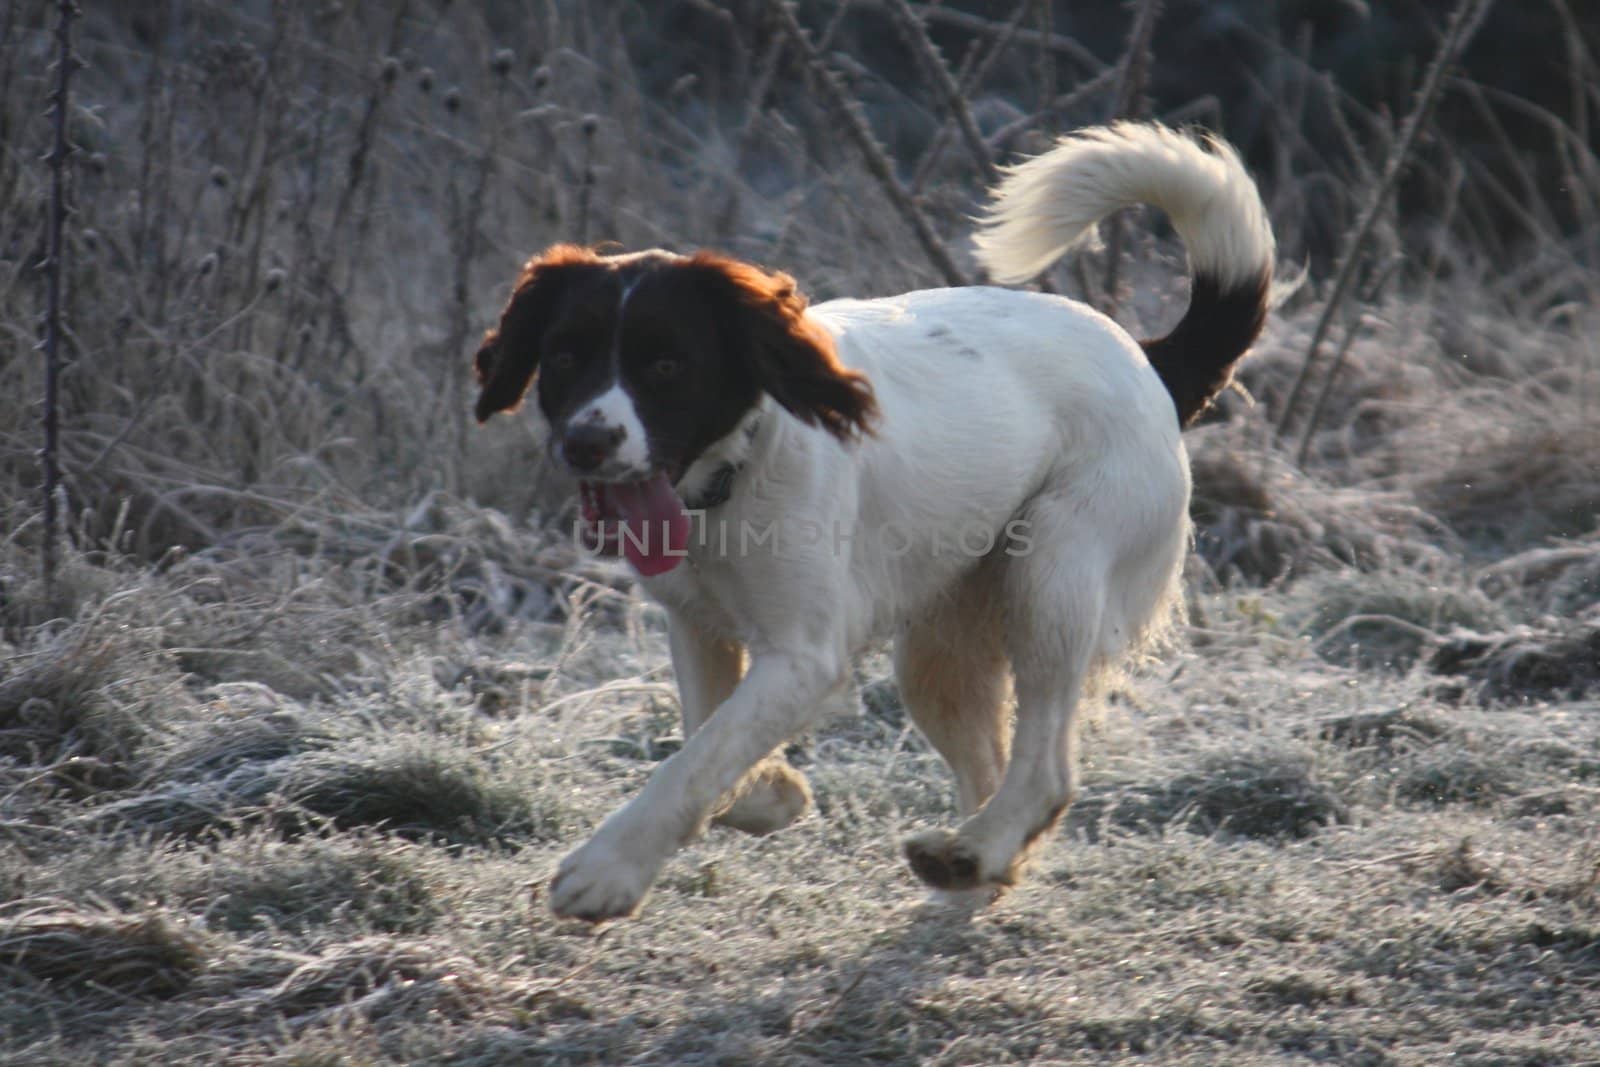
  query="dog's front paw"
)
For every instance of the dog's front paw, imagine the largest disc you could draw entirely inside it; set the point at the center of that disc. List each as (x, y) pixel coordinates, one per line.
(597, 883)
(943, 860)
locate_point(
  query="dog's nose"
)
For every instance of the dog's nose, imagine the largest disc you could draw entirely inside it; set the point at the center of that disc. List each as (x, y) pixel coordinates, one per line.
(588, 444)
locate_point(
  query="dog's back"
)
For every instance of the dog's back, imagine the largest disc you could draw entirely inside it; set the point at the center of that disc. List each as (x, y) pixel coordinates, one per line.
(987, 397)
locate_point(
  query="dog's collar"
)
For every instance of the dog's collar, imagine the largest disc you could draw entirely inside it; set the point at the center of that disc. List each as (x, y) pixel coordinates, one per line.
(718, 489)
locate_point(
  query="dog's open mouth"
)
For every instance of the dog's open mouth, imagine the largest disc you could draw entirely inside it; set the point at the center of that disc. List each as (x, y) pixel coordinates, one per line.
(644, 521)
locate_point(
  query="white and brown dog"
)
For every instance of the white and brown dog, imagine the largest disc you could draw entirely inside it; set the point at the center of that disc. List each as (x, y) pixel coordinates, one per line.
(993, 478)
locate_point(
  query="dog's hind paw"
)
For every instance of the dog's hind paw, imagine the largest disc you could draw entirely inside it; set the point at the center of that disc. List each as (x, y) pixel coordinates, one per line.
(943, 860)
(776, 797)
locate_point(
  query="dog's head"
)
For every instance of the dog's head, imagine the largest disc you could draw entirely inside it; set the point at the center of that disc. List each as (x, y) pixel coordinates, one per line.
(641, 362)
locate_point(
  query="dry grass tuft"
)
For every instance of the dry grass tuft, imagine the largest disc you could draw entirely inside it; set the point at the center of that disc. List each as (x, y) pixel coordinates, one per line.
(1291, 989)
(241, 725)
(1525, 476)
(1561, 579)
(153, 953)
(1526, 663)
(374, 977)
(1259, 520)
(1268, 794)
(363, 881)
(416, 788)
(1458, 774)
(83, 704)
(1396, 728)
(1464, 869)
(1389, 620)
(472, 563)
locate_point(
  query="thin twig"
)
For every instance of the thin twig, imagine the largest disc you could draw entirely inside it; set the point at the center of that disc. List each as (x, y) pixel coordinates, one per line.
(856, 128)
(978, 24)
(337, 339)
(1578, 64)
(469, 226)
(60, 153)
(1463, 22)
(1571, 145)
(766, 72)
(1134, 68)
(1103, 80)
(922, 170)
(1352, 330)
(1421, 633)
(588, 127)
(1046, 59)
(916, 34)
(974, 71)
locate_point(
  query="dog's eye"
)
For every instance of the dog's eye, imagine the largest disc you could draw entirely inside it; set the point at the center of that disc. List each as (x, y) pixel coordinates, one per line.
(666, 367)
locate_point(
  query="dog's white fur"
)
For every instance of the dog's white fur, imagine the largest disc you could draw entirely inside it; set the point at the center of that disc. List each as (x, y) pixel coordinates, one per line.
(1028, 417)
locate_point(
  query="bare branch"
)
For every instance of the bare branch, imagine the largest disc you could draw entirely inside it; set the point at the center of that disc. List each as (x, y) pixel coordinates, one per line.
(1464, 22)
(916, 35)
(973, 72)
(978, 24)
(60, 153)
(855, 126)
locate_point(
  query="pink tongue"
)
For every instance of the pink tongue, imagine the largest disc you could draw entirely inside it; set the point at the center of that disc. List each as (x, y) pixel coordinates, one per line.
(655, 528)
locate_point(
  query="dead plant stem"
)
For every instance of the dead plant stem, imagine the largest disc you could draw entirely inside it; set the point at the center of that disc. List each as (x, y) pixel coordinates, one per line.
(1464, 21)
(58, 160)
(848, 111)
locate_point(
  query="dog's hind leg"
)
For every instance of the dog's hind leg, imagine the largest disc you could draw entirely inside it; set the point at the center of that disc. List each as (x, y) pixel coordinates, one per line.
(773, 794)
(1088, 588)
(955, 680)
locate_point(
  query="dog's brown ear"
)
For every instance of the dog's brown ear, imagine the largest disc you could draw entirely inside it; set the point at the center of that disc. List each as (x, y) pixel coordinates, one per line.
(790, 357)
(505, 361)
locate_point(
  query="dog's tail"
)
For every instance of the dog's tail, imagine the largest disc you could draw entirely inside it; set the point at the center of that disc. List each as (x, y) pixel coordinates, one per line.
(1050, 203)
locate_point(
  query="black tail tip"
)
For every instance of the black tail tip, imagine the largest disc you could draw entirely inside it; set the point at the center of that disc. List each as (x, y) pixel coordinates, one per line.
(1195, 361)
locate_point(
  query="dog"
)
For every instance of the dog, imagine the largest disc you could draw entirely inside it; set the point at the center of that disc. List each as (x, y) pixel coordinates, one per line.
(991, 477)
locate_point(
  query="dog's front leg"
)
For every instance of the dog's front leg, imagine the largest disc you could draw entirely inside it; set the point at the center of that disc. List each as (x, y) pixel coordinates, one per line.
(773, 794)
(778, 698)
